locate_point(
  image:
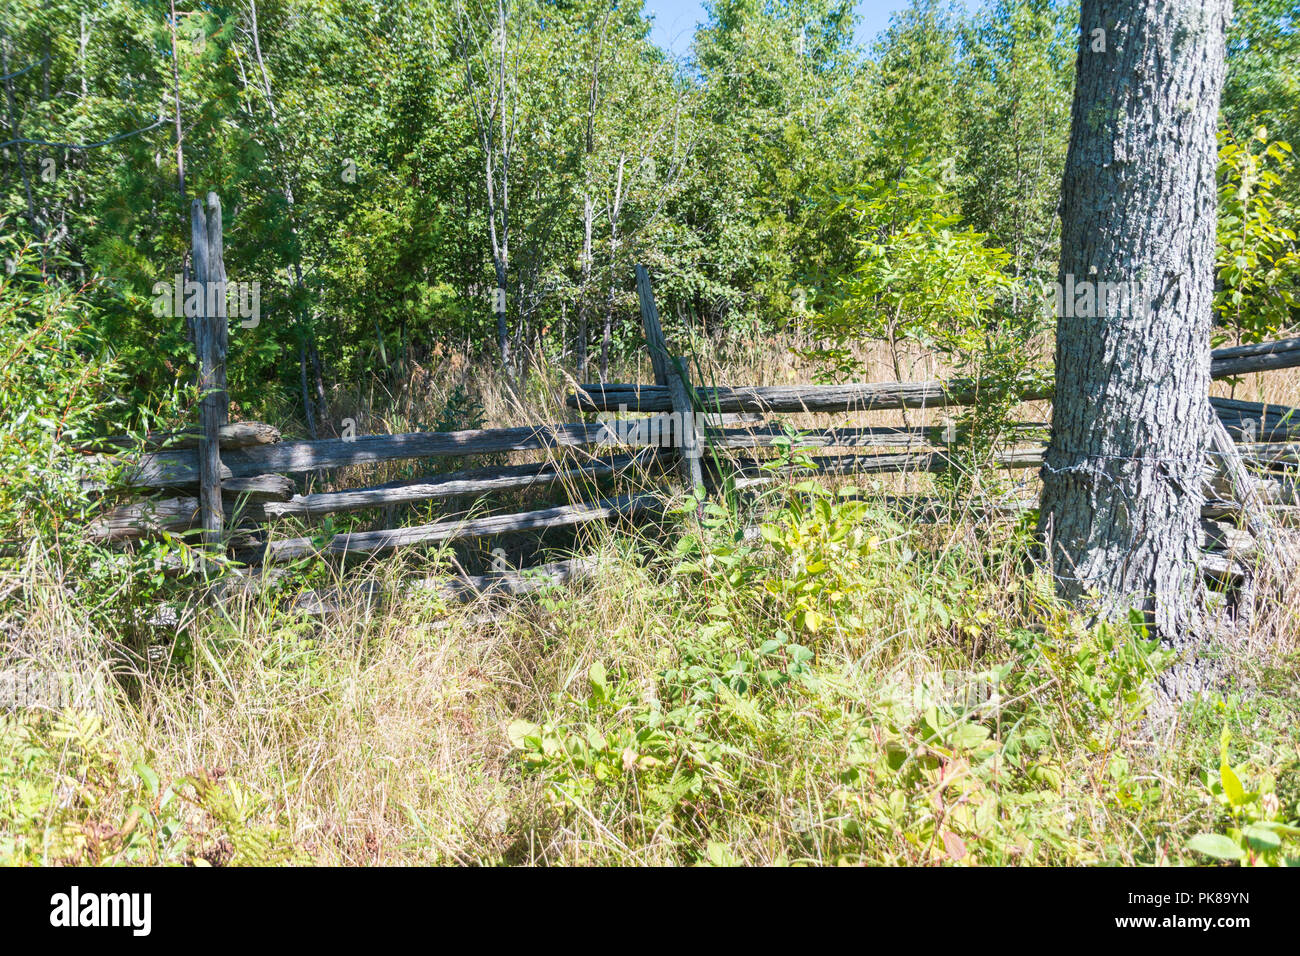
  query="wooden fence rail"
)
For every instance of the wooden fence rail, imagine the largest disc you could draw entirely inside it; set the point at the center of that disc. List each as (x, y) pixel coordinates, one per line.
(225, 473)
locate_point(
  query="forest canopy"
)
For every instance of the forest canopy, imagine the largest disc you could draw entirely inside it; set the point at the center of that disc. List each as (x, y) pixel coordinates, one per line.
(400, 180)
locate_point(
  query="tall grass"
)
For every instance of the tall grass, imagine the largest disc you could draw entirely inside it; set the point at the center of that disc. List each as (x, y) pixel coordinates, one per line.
(855, 683)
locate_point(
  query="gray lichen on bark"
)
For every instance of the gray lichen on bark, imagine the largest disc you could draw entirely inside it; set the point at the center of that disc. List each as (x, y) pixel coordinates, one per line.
(1122, 475)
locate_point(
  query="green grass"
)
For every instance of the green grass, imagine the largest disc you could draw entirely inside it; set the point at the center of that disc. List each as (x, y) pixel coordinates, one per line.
(844, 687)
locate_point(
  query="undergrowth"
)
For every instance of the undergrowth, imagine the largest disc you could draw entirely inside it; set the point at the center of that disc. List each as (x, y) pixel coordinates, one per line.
(846, 683)
(843, 687)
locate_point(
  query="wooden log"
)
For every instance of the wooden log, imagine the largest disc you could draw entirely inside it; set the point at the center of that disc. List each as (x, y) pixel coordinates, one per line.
(1221, 536)
(151, 518)
(1275, 550)
(270, 497)
(173, 469)
(777, 399)
(258, 488)
(1282, 514)
(861, 437)
(874, 437)
(1212, 511)
(144, 519)
(923, 461)
(670, 374)
(463, 588)
(215, 307)
(167, 469)
(752, 473)
(367, 542)
(1257, 422)
(1224, 363)
(847, 398)
(1255, 348)
(232, 435)
(1270, 453)
(1220, 566)
(179, 468)
(211, 416)
(477, 482)
(735, 418)
(1224, 406)
(1260, 357)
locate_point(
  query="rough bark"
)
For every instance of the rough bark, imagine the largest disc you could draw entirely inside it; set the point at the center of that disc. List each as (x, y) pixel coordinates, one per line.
(1122, 477)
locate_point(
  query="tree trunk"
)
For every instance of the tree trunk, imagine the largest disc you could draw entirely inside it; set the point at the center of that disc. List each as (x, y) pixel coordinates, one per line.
(1122, 476)
(499, 313)
(607, 330)
(584, 294)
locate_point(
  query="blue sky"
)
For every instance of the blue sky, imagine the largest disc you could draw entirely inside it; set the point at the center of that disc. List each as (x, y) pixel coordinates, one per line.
(675, 20)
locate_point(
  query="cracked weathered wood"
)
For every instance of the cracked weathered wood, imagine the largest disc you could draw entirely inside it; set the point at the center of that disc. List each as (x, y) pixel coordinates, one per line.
(1260, 357)
(178, 468)
(258, 488)
(1276, 551)
(844, 437)
(270, 497)
(232, 435)
(752, 472)
(779, 399)
(211, 368)
(477, 482)
(368, 542)
(669, 373)
(176, 515)
(144, 519)
(879, 396)
(1257, 422)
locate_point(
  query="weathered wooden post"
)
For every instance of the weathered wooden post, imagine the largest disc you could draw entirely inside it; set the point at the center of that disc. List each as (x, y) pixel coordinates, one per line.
(210, 353)
(667, 372)
(219, 319)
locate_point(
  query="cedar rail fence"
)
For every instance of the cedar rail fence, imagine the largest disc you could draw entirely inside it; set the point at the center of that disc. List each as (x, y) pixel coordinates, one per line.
(232, 482)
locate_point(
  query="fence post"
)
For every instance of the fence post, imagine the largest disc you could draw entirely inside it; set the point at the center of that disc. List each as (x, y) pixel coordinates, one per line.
(211, 368)
(220, 320)
(668, 373)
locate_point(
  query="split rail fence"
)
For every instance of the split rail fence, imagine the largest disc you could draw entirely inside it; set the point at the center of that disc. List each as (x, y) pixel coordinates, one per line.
(235, 483)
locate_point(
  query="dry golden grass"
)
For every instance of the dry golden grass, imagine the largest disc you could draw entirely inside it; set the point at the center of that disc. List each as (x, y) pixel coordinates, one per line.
(380, 734)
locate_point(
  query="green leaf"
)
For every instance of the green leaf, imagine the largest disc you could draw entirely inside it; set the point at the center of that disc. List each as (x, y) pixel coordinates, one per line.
(596, 675)
(519, 731)
(1216, 845)
(1262, 838)
(150, 778)
(967, 735)
(1232, 787)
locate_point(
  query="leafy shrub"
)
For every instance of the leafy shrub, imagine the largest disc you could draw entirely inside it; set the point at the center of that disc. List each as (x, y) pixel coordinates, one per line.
(1261, 830)
(1258, 261)
(797, 674)
(67, 796)
(920, 277)
(53, 386)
